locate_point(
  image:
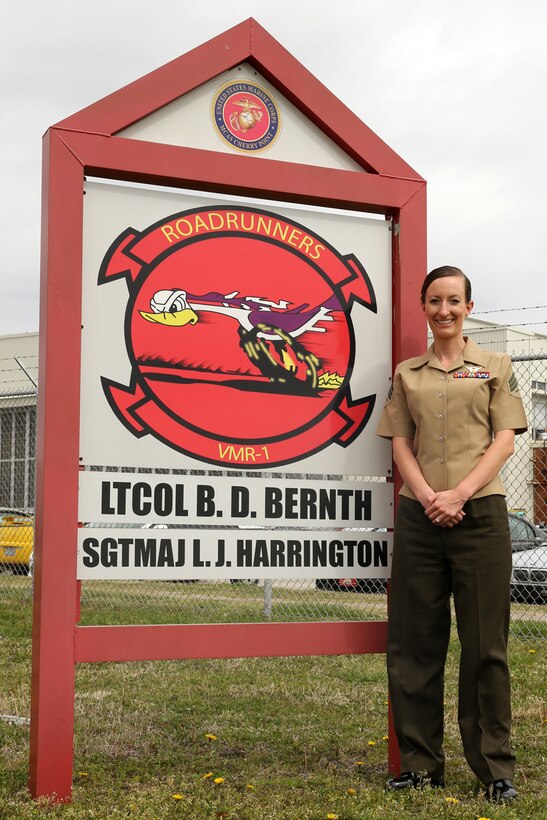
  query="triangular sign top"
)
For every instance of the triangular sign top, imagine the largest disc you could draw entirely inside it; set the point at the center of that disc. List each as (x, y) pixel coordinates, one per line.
(246, 43)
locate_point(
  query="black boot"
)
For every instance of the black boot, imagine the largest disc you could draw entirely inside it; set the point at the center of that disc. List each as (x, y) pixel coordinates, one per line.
(411, 780)
(500, 790)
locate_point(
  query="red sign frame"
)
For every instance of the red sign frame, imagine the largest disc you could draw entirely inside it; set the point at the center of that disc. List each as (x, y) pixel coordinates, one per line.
(86, 144)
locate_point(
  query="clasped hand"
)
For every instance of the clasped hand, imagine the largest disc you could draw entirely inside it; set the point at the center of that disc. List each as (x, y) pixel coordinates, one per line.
(445, 508)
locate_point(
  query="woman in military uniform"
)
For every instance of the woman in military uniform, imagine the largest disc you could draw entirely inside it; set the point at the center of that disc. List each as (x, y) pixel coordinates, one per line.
(452, 415)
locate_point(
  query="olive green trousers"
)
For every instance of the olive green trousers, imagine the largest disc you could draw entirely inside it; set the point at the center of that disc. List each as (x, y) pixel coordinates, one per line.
(471, 561)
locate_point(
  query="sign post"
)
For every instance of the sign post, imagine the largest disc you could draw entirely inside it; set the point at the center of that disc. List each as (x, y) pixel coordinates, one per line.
(234, 307)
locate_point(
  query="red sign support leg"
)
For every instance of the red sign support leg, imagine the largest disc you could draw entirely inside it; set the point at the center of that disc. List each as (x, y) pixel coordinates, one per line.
(55, 585)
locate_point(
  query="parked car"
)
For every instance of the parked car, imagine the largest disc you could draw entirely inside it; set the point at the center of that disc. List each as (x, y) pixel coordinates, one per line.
(524, 534)
(525, 537)
(529, 576)
(378, 585)
(16, 540)
(244, 580)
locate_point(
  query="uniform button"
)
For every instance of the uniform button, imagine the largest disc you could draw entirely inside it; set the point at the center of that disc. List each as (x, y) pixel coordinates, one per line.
(441, 395)
(440, 416)
(441, 438)
(441, 461)
(443, 378)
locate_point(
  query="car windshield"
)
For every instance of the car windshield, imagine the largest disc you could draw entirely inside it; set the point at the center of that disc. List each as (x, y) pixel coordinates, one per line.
(523, 534)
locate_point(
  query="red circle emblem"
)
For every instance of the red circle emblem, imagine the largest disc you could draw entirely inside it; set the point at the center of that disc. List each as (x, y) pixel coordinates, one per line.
(239, 334)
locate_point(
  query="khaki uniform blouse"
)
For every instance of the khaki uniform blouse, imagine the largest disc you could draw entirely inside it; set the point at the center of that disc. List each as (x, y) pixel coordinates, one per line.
(452, 416)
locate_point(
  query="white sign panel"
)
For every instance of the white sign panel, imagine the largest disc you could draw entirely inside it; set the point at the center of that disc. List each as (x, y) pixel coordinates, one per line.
(184, 500)
(223, 333)
(168, 554)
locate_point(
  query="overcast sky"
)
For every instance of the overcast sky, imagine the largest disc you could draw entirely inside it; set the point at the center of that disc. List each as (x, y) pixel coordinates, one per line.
(456, 88)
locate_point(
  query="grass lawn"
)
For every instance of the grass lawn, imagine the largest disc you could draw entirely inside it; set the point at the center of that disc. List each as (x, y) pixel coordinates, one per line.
(249, 739)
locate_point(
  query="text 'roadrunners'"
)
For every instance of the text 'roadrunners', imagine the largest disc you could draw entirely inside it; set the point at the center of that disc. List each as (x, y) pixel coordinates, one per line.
(212, 221)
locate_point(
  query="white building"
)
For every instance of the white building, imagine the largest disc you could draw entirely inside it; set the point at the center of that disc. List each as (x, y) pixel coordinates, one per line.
(18, 387)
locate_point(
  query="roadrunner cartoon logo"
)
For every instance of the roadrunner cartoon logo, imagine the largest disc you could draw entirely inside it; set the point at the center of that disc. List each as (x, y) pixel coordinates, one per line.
(238, 329)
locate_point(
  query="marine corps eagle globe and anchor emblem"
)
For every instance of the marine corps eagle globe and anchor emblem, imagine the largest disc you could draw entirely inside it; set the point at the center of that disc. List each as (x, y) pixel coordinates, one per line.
(239, 333)
(245, 116)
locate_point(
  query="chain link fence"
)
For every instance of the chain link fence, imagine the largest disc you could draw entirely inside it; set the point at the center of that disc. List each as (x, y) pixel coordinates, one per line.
(223, 601)
(525, 479)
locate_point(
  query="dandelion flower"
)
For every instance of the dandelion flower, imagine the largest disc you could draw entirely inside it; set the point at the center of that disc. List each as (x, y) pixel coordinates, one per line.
(177, 796)
(207, 776)
(359, 762)
(250, 787)
(218, 780)
(452, 800)
(386, 703)
(385, 737)
(484, 818)
(352, 791)
(83, 774)
(332, 816)
(532, 651)
(211, 737)
(371, 743)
